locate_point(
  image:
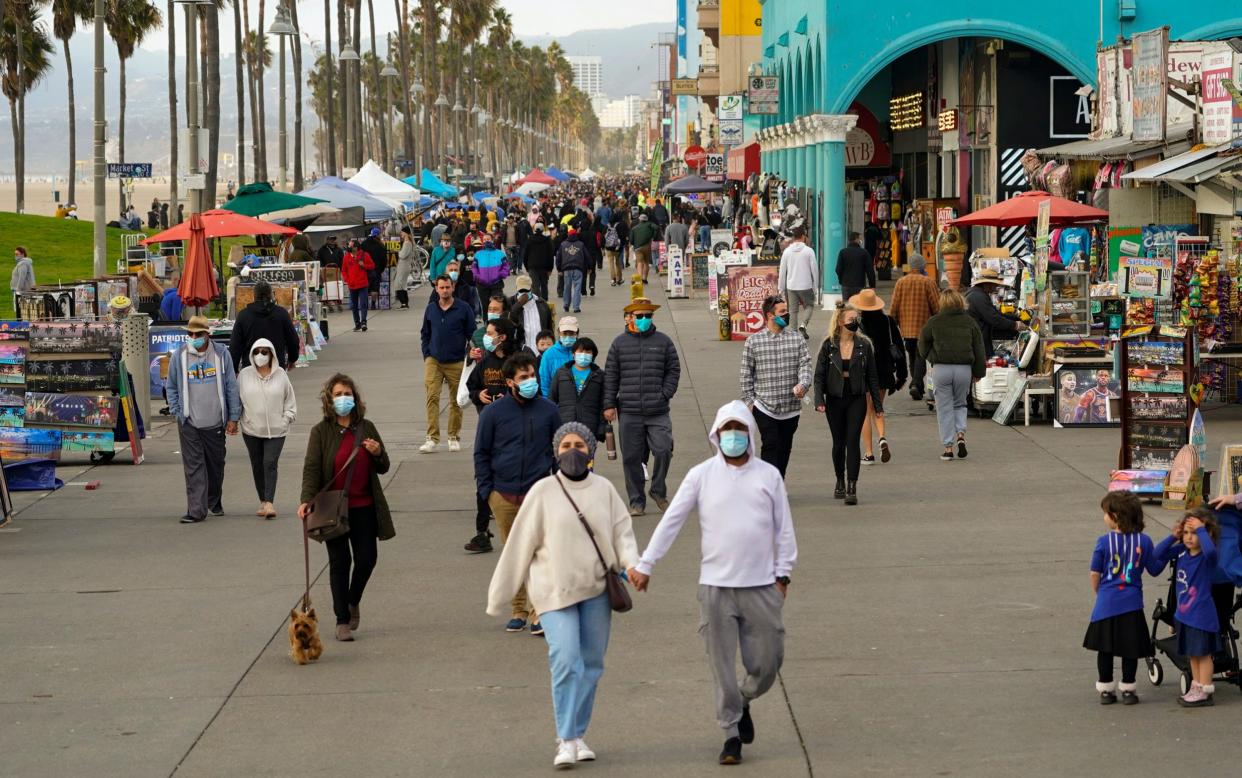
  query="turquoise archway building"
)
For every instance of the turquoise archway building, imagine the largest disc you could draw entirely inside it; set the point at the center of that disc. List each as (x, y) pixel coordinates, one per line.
(826, 52)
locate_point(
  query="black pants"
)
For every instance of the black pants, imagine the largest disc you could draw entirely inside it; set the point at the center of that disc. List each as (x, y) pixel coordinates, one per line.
(845, 420)
(588, 277)
(540, 279)
(1104, 664)
(202, 458)
(264, 458)
(849, 291)
(482, 514)
(362, 539)
(918, 366)
(777, 435)
(488, 291)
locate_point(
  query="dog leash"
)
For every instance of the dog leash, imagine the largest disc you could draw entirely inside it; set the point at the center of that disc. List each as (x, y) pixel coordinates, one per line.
(306, 561)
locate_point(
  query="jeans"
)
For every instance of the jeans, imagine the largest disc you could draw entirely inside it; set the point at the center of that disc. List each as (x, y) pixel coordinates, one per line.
(362, 540)
(202, 458)
(918, 367)
(800, 300)
(952, 384)
(264, 458)
(777, 436)
(845, 420)
(515, 258)
(642, 436)
(435, 375)
(573, 290)
(705, 237)
(577, 638)
(359, 300)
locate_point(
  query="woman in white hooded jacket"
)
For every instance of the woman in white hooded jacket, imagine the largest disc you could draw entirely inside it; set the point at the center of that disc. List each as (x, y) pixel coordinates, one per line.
(268, 408)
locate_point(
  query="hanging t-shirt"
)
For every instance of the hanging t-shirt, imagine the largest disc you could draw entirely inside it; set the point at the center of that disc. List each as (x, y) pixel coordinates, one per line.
(1072, 242)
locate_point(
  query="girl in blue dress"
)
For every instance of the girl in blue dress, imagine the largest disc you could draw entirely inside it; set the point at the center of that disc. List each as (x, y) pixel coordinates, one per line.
(1192, 548)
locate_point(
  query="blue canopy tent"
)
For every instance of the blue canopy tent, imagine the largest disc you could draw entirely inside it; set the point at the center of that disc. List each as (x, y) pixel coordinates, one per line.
(340, 183)
(479, 197)
(345, 197)
(557, 173)
(520, 196)
(431, 184)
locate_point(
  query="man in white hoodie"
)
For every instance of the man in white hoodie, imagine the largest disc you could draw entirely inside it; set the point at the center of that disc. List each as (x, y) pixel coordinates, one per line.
(799, 278)
(748, 552)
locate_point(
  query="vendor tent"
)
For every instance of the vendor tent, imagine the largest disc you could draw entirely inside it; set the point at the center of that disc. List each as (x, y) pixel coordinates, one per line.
(338, 183)
(291, 215)
(1023, 209)
(529, 200)
(691, 184)
(557, 173)
(587, 175)
(347, 197)
(431, 184)
(537, 176)
(258, 198)
(531, 188)
(219, 224)
(373, 179)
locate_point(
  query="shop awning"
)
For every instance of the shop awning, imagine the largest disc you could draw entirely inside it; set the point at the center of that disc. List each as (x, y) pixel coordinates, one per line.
(742, 161)
(1115, 149)
(1206, 169)
(1156, 171)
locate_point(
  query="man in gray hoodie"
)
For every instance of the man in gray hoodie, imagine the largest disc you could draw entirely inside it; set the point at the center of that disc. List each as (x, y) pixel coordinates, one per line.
(23, 278)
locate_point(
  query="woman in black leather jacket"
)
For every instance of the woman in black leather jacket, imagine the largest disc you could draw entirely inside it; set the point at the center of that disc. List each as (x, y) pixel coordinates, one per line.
(845, 375)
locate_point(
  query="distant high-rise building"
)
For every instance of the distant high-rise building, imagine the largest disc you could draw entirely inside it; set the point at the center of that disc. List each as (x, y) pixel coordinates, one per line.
(588, 74)
(618, 114)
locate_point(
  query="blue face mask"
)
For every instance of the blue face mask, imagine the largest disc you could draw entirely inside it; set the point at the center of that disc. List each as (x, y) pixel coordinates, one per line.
(568, 341)
(453, 275)
(583, 359)
(489, 343)
(643, 325)
(733, 443)
(343, 405)
(492, 316)
(199, 343)
(528, 388)
(780, 321)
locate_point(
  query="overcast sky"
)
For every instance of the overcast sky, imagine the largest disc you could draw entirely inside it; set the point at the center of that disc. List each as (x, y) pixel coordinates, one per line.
(530, 17)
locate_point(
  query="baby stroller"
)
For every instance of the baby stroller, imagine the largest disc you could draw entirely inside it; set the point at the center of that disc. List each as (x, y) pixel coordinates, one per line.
(1229, 566)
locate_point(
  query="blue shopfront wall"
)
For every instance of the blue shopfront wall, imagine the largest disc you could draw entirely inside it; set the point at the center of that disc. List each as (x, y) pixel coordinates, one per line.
(828, 51)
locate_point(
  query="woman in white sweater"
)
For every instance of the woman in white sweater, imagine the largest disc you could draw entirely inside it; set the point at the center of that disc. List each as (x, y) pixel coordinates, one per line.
(268, 408)
(549, 545)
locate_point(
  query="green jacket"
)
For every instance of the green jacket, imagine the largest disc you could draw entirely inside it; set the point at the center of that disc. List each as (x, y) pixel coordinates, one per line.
(953, 338)
(642, 234)
(440, 258)
(319, 467)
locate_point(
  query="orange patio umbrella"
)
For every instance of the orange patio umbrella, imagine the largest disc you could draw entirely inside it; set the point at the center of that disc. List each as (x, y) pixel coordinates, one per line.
(221, 224)
(198, 285)
(1024, 209)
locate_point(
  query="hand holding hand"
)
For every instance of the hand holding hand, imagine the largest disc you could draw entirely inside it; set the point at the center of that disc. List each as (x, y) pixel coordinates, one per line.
(230, 428)
(638, 579)
(372, 446)
(476, 354)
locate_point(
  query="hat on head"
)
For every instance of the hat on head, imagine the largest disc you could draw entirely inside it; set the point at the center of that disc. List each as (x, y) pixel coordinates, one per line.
(375, 231)
(567, 324)
(642, 217)
(197, 324)
(573, 231)
(524, 282)
(917, 262)
(641, 305)
(575, 428)
(867, 300)
(987, 276)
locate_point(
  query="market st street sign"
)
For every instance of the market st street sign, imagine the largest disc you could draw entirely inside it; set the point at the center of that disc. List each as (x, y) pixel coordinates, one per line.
(129, 170)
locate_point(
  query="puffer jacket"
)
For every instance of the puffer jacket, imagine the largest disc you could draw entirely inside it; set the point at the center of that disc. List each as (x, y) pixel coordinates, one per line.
(953, 338)
(649, 362)
(587, 406)
(830, 373)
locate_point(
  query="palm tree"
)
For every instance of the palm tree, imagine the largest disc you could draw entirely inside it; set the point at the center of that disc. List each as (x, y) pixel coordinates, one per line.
(297, 97)
(129, 22)
(261, 63)
(211, 113)
(379, 91)
(65, 17)
(406, 108)
(173, 130)
(429, 21)
(238, 57)
(25, 58)
(330, 140)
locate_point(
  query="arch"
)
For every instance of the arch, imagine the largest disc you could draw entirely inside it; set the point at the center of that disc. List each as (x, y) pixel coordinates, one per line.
(960, 28)
(1228, 28)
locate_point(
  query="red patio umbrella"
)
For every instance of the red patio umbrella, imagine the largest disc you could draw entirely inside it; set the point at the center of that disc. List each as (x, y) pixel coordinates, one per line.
(198, 279)
(221, 224)
(1024, 209)
(537, 176)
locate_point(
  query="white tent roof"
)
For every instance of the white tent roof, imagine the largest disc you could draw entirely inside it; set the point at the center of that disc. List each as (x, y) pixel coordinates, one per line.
(373, 179)
(531, 188)
(587, 174)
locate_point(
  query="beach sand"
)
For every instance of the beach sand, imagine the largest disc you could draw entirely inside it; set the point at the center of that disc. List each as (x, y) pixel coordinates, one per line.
(39, 197)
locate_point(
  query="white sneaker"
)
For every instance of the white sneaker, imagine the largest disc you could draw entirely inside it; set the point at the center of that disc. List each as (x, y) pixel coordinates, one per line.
(454, 444)
(585, 754)
(429, 446)
(566, 754)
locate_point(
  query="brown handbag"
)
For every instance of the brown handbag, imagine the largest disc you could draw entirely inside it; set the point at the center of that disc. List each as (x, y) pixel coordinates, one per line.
(329, 510)
(618, 595)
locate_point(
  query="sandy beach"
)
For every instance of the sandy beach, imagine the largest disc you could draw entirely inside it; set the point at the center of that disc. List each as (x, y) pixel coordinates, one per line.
(39, 199)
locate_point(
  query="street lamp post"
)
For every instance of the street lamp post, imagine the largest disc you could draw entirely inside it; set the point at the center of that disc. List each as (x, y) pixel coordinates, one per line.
(282, 27)
(387, 75)
(416, 91)
(348, 54)
(100, 165)
(441, 103)
(192, 103)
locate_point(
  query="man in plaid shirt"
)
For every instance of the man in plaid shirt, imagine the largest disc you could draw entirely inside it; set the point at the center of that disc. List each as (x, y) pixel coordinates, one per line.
(775, 375)
(915, 300)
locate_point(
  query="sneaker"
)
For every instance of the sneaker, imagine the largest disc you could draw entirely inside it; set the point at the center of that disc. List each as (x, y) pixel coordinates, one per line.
(536, 629)
(217, 510)
(746, 726)
(355, 617)
(661, 502)
(961, 446)
(454, 444)
(868, 459)
(188, 519)
(946, 455)
(637, 510)
(364, 328)
(803, 332)
(515, 625)
(585, 754)
(344, 633)
(1195, 698)
(1129, 698)
(885, 452)
(429, 446)
(566, 754)
(732, 751)
(480, 543)
(358, 328)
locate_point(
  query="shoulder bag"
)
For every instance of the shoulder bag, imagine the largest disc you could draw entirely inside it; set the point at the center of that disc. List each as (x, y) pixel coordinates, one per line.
(618, 595)
(329, 510)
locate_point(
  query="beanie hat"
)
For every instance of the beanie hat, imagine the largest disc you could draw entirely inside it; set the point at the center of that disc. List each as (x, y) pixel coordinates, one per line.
(579, 429)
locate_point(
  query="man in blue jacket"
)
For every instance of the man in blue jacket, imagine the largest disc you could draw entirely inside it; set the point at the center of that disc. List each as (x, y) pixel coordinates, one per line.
(513, 450)
(203, 398)
(448, 325)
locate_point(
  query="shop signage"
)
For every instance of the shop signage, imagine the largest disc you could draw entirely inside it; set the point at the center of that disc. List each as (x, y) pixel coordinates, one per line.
(905, 112)
(748, 287)
(1217, 102)
(1236, 94)
(730, 108)
(695, 156)
(1146, 277)
(1155, 235)
(714, 167)
(764, 94)
(676, 273)
(685, 86)
(731, 132)
(162, 340)
(279, 274)
(859, 148)
(1069, 113)
(947, 120)
(1151, 79)
(129, 170)
(1123, 242)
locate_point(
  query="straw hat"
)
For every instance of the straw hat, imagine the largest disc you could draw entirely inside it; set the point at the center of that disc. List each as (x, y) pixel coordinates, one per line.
(867, 300)
(197, 324)
(987, 276)
(641, 305)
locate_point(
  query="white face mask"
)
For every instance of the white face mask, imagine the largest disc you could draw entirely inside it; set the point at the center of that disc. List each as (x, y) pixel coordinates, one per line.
(261, 360)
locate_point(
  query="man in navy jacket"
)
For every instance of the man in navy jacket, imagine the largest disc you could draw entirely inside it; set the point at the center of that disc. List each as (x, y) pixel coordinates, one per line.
(513, 450)
(448, 325)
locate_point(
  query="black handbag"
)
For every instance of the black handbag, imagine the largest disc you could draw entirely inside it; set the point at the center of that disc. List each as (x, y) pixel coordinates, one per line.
(329, 510)
(618, 595)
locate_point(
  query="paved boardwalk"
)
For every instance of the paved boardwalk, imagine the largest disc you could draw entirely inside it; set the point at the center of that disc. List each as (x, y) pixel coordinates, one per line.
(932, 630)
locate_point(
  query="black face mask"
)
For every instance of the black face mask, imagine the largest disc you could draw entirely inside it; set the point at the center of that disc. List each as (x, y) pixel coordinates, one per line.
(573, 463)
(852, 326)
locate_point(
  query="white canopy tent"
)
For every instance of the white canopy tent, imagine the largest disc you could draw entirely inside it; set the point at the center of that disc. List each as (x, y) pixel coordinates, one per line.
(531, 188)
(587, 175)
(393, 190)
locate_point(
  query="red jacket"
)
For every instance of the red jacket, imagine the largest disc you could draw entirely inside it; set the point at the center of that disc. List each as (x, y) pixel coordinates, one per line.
(354, 269)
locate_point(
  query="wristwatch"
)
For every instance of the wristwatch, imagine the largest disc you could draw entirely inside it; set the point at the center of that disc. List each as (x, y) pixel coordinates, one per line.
(783, 580)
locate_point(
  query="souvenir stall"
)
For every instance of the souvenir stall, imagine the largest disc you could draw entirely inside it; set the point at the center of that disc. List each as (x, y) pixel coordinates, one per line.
(294, 288)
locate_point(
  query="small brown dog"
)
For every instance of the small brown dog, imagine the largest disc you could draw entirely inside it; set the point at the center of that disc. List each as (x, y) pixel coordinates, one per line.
(304, 643)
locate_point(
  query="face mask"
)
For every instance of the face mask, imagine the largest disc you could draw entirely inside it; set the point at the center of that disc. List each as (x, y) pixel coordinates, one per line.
(573, 463)
(489, 343)
(199, 343)
(852, 326)
(261, 360)
(492, 316)
(568, 340)
(453, 275)
(582, 359)
(343, 405)
(733, 443)
(780, 321)
(642, 325)
(528, 388)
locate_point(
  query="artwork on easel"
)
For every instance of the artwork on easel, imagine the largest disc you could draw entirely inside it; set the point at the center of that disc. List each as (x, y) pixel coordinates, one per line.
(1156, 408)
(75, 442)
(1230, 478)
(71, 375)
(75, 337)
(1156, 352)
(1162, 381)
(73, 410)
(26, 443)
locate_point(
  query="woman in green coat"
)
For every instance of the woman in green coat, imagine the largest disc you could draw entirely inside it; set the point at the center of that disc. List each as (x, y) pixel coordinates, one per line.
(332, 440)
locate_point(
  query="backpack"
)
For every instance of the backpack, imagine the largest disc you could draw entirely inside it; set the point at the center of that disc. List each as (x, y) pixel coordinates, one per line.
(612, 241)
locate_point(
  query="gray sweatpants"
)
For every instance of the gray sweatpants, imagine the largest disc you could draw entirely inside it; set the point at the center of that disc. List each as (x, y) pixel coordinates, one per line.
(749, 619)
(952, 384)
(800, 301)
(202, 457)
(643, 436)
